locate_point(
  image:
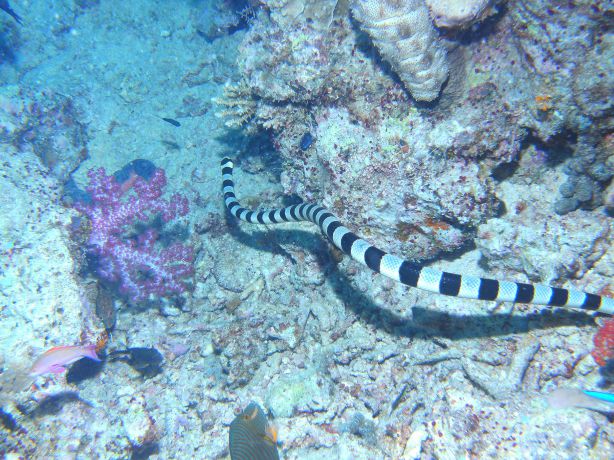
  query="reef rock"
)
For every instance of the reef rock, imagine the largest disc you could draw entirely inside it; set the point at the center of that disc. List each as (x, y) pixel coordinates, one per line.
(460, 13)
(48, 122)
(319, 13)
(423, 204)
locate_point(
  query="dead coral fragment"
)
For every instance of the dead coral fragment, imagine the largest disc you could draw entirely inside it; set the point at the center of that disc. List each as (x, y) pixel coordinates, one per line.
(239, 104)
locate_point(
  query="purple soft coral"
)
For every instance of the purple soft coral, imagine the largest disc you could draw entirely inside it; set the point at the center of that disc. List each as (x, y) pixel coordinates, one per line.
(139, 268)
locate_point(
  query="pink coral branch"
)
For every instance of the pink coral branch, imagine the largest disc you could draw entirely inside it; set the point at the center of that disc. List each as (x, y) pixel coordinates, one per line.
(140, 268)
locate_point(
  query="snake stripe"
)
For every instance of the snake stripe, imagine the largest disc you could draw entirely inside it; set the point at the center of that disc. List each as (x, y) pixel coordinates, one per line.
(410, 273)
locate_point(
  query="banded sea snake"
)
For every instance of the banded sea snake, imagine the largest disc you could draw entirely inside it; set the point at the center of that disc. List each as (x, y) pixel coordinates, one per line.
(410, 273)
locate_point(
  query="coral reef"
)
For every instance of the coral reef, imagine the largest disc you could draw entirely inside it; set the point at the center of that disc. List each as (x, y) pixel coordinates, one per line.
(217, 19)
(359, 131)
(319, 13)
(391, 372)
(300, 64)
(294, 87)
(570, 53)
(593, 79)
(480, 128)
(403, 34)
(139, 268)
(50, 123)
(239, 107)
(41, 297)
(461, 13)
(575, 242)
(432, 214)
(296, 82)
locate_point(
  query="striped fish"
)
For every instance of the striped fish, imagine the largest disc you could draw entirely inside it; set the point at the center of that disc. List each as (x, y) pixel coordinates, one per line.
(410, 273)
(251, 436)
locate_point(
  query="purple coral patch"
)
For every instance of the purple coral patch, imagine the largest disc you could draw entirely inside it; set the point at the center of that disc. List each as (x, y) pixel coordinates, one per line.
(140, 267)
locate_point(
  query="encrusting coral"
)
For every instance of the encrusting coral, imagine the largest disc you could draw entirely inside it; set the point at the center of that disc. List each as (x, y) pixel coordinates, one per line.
(404, 35)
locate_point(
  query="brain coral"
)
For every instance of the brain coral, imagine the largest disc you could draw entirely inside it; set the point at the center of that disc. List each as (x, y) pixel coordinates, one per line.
(403, 33)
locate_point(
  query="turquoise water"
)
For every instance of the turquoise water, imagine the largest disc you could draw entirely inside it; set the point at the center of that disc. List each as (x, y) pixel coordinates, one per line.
(472, 137)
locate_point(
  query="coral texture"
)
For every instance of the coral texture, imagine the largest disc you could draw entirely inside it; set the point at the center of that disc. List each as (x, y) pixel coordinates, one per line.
(437, 207)
(319, 13)
(38, 285)
(403, 34)
(140, 269)
(575, 243)
(238, 106)
(50, 123)
(568, 53)
(460, 13)
(294, 66)
(604, 343)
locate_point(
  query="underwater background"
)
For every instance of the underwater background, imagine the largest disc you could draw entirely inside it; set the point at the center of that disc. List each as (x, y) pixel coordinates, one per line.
(140, 319)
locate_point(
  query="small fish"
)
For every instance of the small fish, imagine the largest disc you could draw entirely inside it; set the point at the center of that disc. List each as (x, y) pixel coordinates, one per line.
(140, 167)
(271, 433)
(562, 398)
(146, 361)
(607, 397)
(4, 5)
(171, 121)
(306, 141)
(56, 359)
(252, 436)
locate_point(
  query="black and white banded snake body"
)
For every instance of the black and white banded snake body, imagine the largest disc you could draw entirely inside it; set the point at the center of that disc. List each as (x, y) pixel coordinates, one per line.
(411, 273)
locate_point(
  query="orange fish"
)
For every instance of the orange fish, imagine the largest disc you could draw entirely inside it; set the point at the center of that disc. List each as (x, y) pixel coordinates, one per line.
(56, 359)
(271, 433)
(252, 436)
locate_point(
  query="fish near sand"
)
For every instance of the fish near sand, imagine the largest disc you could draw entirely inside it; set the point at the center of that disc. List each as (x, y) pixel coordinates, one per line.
(252, 436)
(146, 361)
(600, 395)
(172, 121)
(4, 5)
(563, 398)
(56, 359)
